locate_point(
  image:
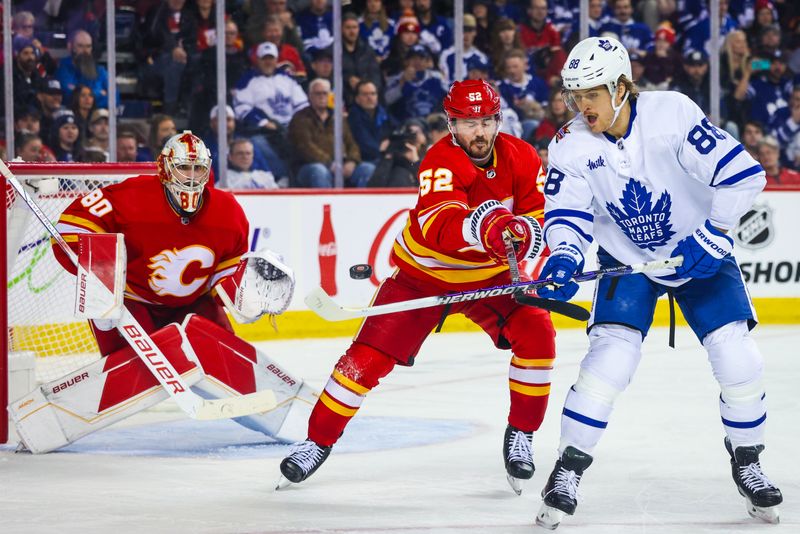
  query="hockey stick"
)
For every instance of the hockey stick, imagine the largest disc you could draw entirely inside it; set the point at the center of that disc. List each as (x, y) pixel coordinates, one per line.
(567, 309)
(129, 328)
(323, 305)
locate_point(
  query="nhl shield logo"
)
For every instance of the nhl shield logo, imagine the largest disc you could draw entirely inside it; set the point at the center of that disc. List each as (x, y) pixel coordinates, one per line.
(491, 174)
(755, 228)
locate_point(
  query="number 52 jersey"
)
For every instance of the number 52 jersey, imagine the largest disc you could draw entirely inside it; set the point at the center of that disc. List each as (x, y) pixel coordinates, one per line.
(639, 195)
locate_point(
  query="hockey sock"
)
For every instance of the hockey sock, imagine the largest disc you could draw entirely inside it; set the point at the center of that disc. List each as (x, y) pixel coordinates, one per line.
(356, 373)
(529, 386)
(583, 421)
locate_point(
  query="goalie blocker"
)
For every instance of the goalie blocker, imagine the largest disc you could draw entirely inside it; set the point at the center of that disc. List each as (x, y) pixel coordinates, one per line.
(213, 361)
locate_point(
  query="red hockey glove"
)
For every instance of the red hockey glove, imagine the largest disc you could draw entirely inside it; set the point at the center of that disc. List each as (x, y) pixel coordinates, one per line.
(490, 221)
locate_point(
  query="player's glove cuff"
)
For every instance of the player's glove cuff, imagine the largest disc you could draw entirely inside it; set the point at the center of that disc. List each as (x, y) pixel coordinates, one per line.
(471, 228)
(714, 242)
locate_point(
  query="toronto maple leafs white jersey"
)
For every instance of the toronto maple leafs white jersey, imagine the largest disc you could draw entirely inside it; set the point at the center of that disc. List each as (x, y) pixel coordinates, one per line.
(639, 195)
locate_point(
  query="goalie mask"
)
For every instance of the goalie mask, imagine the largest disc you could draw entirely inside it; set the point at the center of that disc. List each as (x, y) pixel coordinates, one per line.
(184, 166)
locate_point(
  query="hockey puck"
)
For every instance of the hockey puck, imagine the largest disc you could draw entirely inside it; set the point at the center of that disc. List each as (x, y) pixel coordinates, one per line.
(360, 271)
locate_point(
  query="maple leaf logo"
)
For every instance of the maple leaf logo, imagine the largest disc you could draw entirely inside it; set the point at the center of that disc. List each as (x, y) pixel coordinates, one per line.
(647, 225)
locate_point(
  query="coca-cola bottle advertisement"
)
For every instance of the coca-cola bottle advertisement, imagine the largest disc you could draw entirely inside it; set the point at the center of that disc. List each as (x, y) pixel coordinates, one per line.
(327, 253)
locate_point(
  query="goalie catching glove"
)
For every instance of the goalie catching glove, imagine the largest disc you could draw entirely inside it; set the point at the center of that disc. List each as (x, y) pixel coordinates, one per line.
(261, 284)
(486, 225)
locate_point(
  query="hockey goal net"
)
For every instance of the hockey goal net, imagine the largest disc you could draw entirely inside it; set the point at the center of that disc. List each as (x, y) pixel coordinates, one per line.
(40, 294)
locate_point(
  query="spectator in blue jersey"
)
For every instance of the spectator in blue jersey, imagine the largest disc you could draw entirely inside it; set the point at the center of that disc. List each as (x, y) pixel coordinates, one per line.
(526, 93)
(435, 32)
(376, 28)
(311, 136)
(316, 25)
(786, 126)
(699, 36)
(478, 69)
(80, 67)
(447, 61)
(368, 120)
(358, 59)
(693, 80)
(418, 90)
(636, 36)
(764, 93)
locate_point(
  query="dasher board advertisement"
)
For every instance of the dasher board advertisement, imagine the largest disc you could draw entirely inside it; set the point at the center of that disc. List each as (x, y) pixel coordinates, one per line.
(322, 235)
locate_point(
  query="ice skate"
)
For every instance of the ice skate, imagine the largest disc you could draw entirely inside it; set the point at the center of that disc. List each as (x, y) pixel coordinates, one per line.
(303, 460)
(761, 495)
(518, 457)
(560, 495)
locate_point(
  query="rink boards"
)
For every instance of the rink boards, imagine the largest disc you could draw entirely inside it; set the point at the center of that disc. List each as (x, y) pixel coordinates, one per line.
(365, 224)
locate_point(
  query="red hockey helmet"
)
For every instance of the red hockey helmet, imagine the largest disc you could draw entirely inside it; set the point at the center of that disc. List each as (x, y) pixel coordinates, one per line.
(471, 99)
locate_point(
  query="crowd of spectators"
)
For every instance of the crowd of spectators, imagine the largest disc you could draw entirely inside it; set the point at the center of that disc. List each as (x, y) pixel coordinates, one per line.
(398, 61)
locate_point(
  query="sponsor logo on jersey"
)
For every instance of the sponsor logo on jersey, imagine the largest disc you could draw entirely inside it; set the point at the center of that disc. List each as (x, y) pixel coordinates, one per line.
(596, 164)
(645, 223)
(755, 228)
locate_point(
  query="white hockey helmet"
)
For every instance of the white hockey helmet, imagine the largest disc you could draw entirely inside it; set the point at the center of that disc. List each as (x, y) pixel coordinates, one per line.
(596, 61)
(184, 166)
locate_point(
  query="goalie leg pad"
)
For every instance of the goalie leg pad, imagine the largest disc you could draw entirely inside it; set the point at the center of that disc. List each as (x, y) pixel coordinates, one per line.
(234, 367)
(738, 367)
(96, 396)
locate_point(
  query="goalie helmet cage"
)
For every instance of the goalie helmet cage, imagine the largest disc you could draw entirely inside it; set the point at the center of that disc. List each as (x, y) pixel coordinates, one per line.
(38, 316)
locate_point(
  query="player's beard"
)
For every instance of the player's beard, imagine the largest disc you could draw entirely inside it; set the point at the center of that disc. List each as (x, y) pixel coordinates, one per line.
(479, 148)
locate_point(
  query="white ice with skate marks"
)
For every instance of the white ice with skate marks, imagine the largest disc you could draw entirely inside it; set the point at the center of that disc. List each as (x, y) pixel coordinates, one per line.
(661, 468)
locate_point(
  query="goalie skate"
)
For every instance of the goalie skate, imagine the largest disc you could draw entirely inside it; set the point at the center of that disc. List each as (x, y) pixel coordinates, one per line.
(761, 495)
(518, 457)
(560, 495)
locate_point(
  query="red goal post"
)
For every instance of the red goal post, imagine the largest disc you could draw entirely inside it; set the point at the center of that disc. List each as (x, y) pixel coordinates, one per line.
(39, 294)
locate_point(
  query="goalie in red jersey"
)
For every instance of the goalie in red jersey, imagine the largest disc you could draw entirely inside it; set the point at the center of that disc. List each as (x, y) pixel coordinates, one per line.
(184, 260)
(476, 186)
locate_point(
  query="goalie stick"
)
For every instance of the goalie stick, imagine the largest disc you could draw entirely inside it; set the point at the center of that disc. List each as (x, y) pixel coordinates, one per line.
(323, 305)
(567, 309)
(129, 328)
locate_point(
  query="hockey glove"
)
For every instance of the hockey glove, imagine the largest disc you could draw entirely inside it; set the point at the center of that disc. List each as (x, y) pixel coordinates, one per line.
(703, 252)
(487, 224)
(565, 260)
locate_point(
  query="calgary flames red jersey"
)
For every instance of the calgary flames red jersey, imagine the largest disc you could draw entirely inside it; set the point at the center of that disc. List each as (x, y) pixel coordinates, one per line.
(431, 246)
(169, 263)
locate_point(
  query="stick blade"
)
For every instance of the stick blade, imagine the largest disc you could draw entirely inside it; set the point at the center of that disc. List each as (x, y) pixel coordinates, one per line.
(567, 309)
(323, 305)
(239, 406)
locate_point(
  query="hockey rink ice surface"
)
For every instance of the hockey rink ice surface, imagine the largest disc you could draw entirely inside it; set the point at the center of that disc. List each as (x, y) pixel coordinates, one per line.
(424, 455)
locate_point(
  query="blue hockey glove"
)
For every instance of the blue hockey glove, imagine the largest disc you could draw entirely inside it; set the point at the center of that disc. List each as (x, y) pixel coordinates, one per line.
(703, 252)
(565, 260)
